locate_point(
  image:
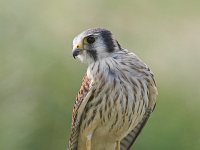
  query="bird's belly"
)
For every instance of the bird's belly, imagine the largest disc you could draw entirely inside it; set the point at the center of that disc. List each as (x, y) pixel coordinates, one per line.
(114, 124)
(116, 129)
(111, 118)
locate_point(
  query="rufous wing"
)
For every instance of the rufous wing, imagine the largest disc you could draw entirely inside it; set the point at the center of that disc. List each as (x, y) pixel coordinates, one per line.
(80, 103)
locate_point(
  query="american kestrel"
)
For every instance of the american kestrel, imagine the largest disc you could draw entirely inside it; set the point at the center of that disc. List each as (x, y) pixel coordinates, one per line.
(117, 95)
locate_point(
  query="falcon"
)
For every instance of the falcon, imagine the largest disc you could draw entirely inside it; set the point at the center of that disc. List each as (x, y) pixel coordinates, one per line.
(117, 95)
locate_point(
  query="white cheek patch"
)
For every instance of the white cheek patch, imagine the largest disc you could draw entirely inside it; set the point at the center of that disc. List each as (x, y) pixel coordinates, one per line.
(85, 58)
(81, 58)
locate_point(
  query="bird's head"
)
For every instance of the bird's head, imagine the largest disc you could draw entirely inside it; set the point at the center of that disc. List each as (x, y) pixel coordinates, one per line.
(94, 44)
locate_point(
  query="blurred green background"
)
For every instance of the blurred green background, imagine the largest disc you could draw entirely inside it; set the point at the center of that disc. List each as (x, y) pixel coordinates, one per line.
(39, 79)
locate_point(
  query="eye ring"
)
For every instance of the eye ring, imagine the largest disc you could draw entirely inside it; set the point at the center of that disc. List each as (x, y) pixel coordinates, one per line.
(90, 39)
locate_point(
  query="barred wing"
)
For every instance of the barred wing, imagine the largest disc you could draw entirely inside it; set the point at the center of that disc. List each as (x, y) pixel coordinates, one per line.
(128, 141)
(80, 103)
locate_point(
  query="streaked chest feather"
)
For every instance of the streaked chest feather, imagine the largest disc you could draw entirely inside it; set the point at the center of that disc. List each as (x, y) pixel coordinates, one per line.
(120, 96)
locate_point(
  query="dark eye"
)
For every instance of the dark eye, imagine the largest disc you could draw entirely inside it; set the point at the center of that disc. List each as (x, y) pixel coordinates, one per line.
(90, 39)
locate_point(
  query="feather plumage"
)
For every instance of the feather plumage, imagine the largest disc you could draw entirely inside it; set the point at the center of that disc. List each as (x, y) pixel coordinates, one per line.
(77, 113)
(116, 98)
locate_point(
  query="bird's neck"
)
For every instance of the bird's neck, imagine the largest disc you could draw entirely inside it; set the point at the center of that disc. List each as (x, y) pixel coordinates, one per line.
(99, 69)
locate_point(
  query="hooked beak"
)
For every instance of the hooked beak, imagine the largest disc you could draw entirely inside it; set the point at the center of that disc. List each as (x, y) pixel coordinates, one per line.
(77, 49)
(75, 52)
